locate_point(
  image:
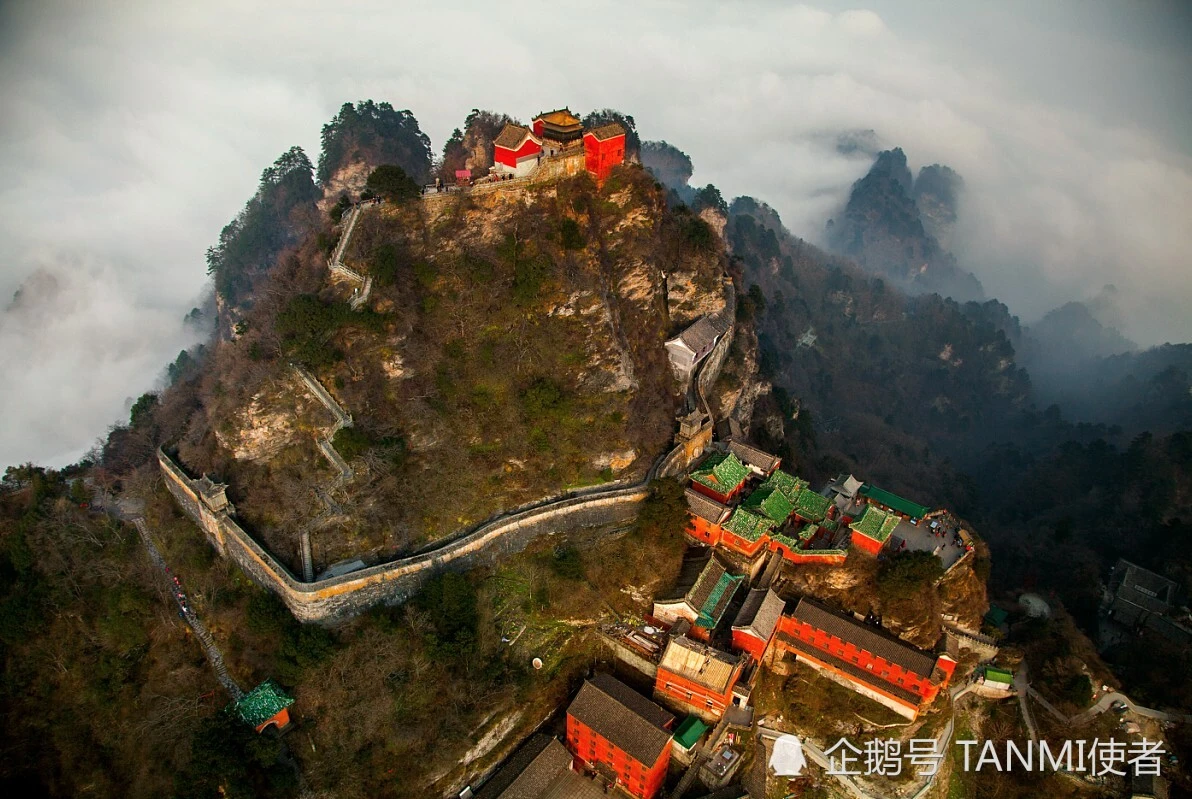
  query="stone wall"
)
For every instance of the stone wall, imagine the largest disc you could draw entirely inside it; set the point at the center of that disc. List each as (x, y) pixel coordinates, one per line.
(710, 370)
(340, 597)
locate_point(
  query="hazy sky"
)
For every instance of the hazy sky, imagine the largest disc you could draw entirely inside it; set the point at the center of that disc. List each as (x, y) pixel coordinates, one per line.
(132, 132)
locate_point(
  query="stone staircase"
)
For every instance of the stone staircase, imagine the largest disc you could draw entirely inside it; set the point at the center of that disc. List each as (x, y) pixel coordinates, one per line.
(327, 447)
(336, 265)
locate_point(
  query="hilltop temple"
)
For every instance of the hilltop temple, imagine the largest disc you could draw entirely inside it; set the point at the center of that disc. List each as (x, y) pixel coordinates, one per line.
(518, 150)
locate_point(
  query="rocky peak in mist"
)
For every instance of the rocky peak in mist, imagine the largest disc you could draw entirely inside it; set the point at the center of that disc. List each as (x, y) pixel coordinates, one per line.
(891, 165)
(937, 195)
(887, 227)
(858, 144)
(670, 166)
(1074, 331)
(37, 290)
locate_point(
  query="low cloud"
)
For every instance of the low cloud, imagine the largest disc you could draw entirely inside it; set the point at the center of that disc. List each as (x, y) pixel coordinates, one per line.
(132, 135)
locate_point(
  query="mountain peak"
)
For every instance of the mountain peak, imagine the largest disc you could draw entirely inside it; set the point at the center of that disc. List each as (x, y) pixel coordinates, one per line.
(893, 164)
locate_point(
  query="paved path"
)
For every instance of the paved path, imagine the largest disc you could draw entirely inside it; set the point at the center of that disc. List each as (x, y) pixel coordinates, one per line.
(1110, 698)
(1023, 688)
(1050, 708)
(187, 611)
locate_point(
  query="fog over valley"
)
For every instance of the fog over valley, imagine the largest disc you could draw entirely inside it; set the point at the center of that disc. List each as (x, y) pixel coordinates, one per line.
(134, 132)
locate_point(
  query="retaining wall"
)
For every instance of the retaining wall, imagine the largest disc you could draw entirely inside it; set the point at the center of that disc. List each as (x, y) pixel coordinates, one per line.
(340, 597)
(710, 370)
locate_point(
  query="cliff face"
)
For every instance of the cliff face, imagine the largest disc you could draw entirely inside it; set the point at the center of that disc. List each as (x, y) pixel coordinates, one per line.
(511, 347)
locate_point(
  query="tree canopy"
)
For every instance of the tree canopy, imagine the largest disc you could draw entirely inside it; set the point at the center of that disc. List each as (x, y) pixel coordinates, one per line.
(390, 182)
(268, 224)
(375, 133)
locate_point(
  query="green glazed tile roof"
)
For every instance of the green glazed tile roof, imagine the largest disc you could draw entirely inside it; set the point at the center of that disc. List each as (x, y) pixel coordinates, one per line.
(811, 506)
(875, 523)
(263, 703)
(883, 497)
(747, 524)
(690, 731)
(722, 472)
(998, 675)
(718, 601)
(789, 485)
(785, 539)
(771, 502)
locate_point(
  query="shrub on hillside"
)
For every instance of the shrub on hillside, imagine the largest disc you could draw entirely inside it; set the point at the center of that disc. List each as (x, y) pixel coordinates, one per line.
(906, 573)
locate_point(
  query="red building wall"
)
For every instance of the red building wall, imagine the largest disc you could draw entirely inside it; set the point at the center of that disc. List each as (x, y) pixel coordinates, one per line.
(639, 779)
(681, 689)
(748, 642)
(704, 530)
(743, 545)
(723, 499)
(508, 157)
(795, 556)
(867, 544)
(882, 671)
(602, 156)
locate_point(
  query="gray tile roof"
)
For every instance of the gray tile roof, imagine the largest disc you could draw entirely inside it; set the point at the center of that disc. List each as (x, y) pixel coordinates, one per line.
(530, 772)
(609, 131)
(752, 456)
(694, 563)
(625, 718)
(705, 507)
(749, 609)
(760, 613)
(708, 578)
(510, 136)
(1154, 591)
(863, 636)
(703, 335)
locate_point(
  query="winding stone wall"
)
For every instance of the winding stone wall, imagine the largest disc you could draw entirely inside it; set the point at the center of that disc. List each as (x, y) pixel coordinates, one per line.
(340, 597)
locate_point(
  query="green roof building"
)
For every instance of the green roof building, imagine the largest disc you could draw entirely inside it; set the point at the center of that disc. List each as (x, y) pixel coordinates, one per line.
(1000, 677)
(770, 502)
(811, 506)
(689, 732)
(748, 525)
(893, 501)
(264, 705)
(875, 523)
(712, 611)
(789, 485)
(997, 616)
(722, 474)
